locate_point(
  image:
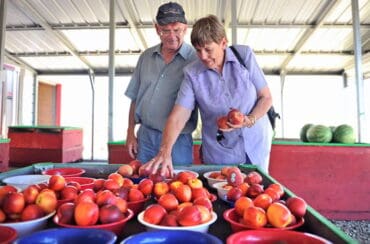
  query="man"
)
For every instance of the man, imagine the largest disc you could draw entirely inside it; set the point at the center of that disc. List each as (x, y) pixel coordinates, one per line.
(153, 89)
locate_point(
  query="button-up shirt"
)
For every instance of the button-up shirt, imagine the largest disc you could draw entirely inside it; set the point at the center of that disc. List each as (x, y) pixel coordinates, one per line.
(154, 86)
(215, 94)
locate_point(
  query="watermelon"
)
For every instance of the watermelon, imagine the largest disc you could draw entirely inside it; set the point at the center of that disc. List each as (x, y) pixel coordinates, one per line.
(344, 134)
(319, 133)
(303, 132)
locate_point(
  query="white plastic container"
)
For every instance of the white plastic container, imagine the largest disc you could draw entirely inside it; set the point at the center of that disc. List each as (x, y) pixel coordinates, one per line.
(22, 181)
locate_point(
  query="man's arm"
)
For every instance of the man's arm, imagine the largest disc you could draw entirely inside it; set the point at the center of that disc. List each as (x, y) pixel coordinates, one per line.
(131, 140)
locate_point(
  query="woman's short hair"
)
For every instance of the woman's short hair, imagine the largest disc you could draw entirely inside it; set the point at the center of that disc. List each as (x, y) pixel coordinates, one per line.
(206, 30)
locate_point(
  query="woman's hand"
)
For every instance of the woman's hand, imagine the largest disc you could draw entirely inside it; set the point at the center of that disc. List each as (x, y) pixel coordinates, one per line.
(161, 163)
(248, 121)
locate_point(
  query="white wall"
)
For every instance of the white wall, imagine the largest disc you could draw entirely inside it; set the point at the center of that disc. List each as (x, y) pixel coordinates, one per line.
(27, 98)
(76, 110)
(307, 99)
(317, 100)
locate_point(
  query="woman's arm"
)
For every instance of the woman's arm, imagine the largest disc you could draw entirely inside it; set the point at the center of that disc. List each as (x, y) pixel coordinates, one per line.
(264, 102)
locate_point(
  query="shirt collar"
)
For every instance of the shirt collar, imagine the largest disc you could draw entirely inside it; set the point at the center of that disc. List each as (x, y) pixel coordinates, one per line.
(229, 58)
(183, 51)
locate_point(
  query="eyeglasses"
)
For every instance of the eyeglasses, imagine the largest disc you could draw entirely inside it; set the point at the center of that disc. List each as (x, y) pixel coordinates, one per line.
(167, 32)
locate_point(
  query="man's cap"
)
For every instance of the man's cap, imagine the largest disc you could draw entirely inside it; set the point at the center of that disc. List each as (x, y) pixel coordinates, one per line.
(170, 13)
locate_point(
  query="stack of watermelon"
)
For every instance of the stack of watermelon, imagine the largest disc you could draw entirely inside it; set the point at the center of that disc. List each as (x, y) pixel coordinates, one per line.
(323, 134)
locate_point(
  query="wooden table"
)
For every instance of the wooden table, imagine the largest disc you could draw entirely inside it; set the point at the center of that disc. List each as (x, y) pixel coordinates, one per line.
(332, 177)
(314, 223)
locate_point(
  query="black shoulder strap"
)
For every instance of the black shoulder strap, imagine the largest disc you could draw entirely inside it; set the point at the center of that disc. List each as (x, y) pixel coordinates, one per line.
(272, 115)
(237, 55)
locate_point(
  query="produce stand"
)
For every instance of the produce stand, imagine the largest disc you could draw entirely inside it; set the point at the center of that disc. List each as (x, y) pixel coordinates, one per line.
(4, 154)
(315, 223)
(326, 167)
(33, 144)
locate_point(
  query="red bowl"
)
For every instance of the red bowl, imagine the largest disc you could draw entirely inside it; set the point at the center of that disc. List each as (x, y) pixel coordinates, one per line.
(61, 201)
(232, 217)
(268, 236)
(212, 197)
(85, 182)
(137, 206)
(66, 172)
(7, 234)
(115, 227)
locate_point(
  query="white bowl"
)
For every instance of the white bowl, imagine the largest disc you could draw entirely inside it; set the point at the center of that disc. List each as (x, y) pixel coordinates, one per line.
(221, 192)
(210, 180)
(22, 181)
(30, 226)
(200, 228)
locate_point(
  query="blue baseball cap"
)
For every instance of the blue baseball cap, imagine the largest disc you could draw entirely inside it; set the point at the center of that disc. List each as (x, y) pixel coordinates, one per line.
(170, 13)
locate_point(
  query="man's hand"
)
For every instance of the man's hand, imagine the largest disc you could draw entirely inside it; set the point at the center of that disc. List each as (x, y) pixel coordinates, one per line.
(131, 143)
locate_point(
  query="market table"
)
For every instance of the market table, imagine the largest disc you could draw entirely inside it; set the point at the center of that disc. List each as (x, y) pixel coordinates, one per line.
(324, 165)
(315, 223)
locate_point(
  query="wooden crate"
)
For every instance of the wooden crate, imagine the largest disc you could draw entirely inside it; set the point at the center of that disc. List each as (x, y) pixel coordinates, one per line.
(30, 145)
(4, 154)
(333, 178)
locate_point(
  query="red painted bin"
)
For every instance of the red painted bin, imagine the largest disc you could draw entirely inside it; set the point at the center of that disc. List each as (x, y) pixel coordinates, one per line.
(32, 144)
(4, 154)
(332, 177)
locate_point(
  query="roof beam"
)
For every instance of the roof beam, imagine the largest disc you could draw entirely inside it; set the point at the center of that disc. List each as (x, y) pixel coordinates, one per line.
(20, 62)
(68, 26)
(129, 52)
(123, 25)
(308, 33)
(365, 59)
(129, 71)
(127, 12)
(306, 26)
(221, 8)
(55, 34)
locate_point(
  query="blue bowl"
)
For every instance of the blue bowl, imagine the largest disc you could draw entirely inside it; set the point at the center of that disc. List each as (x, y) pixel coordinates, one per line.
(136, 180)
(228, 202)
(70, 236)
(172, 236)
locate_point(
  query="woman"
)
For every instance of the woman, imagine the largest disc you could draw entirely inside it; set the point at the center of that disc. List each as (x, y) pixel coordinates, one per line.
(215, 83)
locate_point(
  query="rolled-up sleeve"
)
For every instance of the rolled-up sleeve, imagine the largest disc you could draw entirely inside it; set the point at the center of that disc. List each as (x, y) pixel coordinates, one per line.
(255, 72)
(186, 96)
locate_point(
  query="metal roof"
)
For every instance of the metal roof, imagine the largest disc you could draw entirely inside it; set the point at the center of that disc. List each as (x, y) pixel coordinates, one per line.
(294, 36)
